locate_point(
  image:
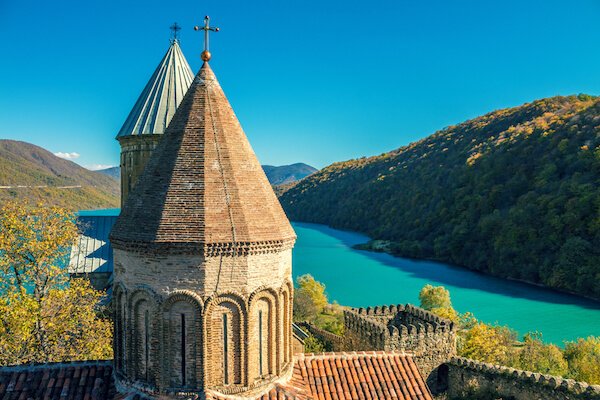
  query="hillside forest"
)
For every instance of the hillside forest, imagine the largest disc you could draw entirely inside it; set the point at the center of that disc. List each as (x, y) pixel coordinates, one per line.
(514, 193)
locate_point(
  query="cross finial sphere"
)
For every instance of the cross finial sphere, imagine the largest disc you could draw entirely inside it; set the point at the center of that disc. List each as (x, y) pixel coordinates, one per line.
(205, 55)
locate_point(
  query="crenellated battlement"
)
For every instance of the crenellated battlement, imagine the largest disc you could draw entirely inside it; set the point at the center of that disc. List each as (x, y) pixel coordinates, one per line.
(467, 378)
(430, 338)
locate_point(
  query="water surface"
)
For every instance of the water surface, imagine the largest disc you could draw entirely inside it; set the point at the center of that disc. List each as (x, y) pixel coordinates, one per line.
(362, 278)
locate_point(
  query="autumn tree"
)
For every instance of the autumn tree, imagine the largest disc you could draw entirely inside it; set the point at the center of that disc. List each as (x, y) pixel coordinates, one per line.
(309, 298)
(584, 359)
(535, 355)
(45, 317)
(488, 343)
(437, 300)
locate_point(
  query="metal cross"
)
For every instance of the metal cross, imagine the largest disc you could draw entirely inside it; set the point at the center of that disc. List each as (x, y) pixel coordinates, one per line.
(206, 28)
(175, 28)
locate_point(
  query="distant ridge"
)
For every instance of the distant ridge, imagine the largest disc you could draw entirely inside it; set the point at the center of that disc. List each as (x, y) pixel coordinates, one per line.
(281, 175)
(287, 173)
(113, 172)
(514, 193)
(28, 173)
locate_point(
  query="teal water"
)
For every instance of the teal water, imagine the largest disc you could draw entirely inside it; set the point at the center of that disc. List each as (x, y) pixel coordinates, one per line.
(361, 278)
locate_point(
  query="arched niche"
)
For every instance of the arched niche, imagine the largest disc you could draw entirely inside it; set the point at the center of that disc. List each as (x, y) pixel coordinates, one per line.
(285, 296)
(182, 338)
(225, 333)
(142, 337)
(120, 327)
(264, 334)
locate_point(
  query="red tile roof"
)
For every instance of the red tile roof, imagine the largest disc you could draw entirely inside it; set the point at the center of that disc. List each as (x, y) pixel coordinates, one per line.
(362, 375)
(328, 376)
(77, 380)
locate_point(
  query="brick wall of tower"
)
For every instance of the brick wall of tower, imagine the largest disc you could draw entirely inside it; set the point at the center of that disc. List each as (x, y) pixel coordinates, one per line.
(169, 286)
(135, 153)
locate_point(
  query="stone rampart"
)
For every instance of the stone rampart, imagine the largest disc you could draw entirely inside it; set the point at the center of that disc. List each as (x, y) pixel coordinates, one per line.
(430, 338)
(332, 341)
(468, 379)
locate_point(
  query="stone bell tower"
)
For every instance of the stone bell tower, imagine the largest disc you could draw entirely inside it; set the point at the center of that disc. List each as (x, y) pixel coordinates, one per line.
(152, 112)
(202, 255)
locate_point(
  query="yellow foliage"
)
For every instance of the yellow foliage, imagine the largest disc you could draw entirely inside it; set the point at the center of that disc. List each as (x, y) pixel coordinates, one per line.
(44, 317)
(487, 343)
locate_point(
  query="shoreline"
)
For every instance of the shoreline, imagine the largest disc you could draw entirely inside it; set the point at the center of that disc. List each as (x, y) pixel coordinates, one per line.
(383, 246)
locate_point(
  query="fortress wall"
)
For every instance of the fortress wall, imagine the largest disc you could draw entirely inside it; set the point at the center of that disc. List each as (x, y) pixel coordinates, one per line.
(467, 379)
(431, 339)
(332, 341)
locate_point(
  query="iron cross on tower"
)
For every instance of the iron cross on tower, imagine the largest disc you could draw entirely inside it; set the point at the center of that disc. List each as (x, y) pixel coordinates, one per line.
(175, 28)
(205, 56)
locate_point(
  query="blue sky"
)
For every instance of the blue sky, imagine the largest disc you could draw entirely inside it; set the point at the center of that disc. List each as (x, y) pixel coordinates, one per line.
(311, 81)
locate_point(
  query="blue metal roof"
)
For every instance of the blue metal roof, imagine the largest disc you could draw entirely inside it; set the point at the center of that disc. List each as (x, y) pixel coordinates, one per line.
(92, 251)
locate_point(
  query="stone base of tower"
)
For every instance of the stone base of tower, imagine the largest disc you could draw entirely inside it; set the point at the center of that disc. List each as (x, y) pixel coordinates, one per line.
(185, 323)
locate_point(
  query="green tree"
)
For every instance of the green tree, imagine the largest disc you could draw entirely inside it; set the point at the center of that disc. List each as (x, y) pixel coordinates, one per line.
(437, 300)
(313, 345)
(304, 307)
(45, 317)
(488, 343)
(315, 289)
(536, 356)
(583, 357)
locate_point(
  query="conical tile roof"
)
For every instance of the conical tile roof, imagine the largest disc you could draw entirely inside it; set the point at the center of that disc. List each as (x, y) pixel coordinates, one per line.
(203, 187)
(164, 91)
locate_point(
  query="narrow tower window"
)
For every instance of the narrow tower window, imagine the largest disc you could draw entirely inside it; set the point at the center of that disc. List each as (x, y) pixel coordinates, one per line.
(146, 342)
(183, 357)
(260, 343)
(225, 355)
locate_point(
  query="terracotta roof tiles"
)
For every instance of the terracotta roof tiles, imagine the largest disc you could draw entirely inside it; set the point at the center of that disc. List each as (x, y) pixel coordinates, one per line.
(77, 380)
(361, 375)
(328, 376)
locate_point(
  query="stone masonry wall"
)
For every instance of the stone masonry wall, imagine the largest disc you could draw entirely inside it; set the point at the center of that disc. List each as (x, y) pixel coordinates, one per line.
(177, 330)
(468, 379)
(431, 339)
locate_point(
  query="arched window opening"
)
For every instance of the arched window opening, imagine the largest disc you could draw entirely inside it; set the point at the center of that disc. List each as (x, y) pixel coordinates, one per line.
(141, 339)
(181, 349)
(183, 355)
(146, 343)
(260, 343)
(225, 350)
(264, 332)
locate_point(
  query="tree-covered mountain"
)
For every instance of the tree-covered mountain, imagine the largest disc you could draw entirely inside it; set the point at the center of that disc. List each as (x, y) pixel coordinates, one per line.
(514, 193)
(29, 173)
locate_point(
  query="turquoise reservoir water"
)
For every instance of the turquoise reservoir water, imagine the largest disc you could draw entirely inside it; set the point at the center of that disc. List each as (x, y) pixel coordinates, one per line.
(362, 278)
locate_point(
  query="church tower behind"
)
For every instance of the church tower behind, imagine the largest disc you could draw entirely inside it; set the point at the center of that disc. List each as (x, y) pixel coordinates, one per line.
(202, 255)
(151, 114)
